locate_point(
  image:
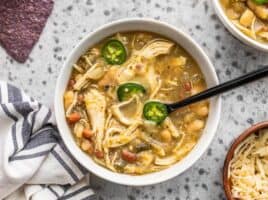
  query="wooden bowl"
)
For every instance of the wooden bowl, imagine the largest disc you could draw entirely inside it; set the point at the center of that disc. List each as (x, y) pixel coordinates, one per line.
(226, 182)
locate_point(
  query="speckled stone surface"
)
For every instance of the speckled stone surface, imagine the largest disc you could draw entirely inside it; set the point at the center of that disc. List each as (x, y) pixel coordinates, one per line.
(73, 19)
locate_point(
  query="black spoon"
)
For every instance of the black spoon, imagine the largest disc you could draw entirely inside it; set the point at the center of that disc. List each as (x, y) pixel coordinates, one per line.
(157, 111)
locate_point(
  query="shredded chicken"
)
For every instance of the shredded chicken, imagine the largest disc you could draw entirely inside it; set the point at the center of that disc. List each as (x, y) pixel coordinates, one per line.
(72, 105)
(159, 147)
(170, 125)
(156, 47)
(169, 160)
(109, 79)
(125, 74)
(94, 73)
(154, 81)
(96, 107)
(116, 110)
(123, 137)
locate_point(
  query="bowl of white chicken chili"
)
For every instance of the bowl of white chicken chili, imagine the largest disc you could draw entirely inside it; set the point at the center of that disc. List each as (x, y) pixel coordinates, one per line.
(107, 102)
(247, 20)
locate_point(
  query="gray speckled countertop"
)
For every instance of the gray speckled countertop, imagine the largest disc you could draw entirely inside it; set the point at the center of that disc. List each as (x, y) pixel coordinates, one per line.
(73, 19)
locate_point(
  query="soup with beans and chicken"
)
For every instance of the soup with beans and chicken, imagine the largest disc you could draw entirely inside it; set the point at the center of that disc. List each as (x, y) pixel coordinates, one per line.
(113, 107)
(249, 16)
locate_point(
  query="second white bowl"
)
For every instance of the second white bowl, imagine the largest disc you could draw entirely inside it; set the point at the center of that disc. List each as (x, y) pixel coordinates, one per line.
(235, 31)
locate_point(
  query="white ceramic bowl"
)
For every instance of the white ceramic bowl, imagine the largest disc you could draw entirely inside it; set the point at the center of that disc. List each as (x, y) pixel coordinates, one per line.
(235, 31)
(175, 35)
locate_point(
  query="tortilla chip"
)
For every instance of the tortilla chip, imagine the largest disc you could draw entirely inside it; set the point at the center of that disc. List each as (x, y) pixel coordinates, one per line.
(21, 23)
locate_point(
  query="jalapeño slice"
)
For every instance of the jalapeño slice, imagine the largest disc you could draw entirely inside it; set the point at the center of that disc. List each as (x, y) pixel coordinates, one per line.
(155, 111)
(114, 52)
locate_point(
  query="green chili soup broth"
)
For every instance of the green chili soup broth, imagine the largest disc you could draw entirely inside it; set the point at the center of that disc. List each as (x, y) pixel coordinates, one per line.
(172, 89)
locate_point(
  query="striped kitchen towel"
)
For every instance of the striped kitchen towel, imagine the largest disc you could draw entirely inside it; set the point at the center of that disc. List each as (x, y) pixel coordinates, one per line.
(34, 163)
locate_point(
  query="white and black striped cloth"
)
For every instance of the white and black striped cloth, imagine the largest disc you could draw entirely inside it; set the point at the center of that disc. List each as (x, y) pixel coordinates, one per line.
(34, 163)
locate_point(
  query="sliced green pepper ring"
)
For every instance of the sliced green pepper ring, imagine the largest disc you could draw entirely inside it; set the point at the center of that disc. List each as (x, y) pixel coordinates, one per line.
(127, 90)
(155, 111)
(260, 1)
(114, 52)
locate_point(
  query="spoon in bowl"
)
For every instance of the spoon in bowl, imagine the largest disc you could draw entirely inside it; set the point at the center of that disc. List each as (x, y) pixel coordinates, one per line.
(157, 112)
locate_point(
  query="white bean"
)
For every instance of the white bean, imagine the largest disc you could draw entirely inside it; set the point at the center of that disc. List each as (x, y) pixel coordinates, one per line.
(196, 125)
(166, 135)
(202, 111)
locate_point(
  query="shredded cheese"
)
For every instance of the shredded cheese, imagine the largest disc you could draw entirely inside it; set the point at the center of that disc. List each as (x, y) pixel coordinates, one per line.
(248, 170)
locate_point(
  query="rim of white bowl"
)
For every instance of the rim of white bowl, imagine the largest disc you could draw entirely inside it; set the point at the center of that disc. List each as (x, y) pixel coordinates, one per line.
(235, 31)
(151, 178)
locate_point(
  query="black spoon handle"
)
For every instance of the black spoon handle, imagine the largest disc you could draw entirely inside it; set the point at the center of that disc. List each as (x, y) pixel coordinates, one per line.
(221, 88)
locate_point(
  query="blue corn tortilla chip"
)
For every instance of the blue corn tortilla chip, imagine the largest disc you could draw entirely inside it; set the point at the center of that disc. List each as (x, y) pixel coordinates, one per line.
(21, 23)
